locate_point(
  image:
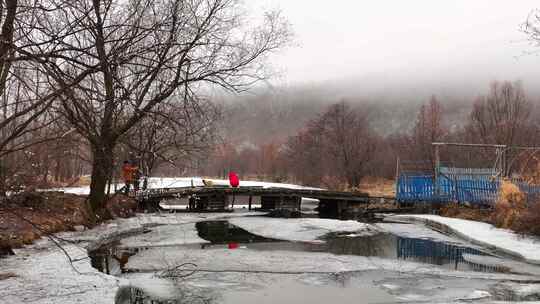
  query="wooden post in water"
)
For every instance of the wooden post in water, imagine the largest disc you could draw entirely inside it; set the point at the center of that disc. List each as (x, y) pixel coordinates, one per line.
(249, 202)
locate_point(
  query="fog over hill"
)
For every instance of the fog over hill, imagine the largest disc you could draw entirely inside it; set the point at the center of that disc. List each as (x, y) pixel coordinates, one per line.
(271, 113)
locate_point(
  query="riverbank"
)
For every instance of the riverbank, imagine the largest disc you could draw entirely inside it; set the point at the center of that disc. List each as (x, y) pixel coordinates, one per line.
(28, 216)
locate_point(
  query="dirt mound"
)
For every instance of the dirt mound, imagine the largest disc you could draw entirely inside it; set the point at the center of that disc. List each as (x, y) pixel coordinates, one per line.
(122, 206)
(30, 215)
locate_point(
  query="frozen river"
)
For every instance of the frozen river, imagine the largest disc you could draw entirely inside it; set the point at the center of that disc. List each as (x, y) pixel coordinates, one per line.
(268, 260)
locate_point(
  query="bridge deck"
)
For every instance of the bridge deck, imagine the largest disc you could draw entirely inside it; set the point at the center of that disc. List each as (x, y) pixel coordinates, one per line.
(161, 193)
(217, 199)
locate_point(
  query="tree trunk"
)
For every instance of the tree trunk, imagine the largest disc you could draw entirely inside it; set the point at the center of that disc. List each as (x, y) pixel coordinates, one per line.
(102, 167)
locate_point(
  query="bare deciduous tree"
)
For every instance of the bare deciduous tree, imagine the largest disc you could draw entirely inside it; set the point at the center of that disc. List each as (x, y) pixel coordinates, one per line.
(428, 128)
(174, 133)
(336, 146)
(503, 116)
(349, 140)
(127, 57)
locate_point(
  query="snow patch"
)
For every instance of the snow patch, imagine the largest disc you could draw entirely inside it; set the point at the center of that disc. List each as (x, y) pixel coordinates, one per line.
(477, 295)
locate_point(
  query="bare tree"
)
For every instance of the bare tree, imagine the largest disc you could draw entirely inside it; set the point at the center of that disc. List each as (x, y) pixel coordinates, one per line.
(503, 116)
(174, 133)
(305, 154)
(25, 94)
(349, 140)
(428, 128)
(334, 148)
(127, 57)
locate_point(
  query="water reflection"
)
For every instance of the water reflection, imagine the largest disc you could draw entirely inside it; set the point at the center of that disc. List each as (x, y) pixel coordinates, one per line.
(446, 255)
(222, 232)
(113, 258)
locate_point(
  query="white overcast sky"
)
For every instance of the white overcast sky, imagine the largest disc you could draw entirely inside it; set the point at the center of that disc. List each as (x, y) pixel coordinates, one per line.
(344, 39)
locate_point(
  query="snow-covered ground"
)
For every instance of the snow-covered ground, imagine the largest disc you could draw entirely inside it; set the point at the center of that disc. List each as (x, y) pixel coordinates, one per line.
(44, 276)
(301, 230)
(485, 234)
(177, 182)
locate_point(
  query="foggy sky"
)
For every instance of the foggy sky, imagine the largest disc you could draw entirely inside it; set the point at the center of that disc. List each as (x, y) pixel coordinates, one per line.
(410, 41)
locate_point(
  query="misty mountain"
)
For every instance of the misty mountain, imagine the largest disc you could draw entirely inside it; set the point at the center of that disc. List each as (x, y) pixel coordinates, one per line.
(274, 113)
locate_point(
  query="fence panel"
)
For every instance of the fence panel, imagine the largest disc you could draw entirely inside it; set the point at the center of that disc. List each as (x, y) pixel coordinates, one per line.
(415, 188)
(464, 185)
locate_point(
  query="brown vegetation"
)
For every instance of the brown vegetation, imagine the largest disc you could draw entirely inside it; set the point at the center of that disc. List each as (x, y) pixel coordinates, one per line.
(510, 206)
(378, 186)
(31, 215)
(466, 212)
(513, 212)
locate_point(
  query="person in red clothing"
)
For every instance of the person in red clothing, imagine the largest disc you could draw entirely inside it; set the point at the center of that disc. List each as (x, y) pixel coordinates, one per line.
(128, 175)
(234, 180)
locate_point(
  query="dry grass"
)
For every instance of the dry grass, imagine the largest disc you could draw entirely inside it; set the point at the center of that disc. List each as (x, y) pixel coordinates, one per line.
(456, 210)
(376, 186)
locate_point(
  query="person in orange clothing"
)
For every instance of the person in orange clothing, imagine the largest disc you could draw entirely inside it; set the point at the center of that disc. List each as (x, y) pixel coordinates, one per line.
(128, 174)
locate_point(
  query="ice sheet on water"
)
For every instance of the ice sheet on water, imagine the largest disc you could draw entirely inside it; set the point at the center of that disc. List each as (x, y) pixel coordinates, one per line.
(417, 232)
(302, 230)
(152, 286)
(167, 235)
(222, 259)
(434, 289)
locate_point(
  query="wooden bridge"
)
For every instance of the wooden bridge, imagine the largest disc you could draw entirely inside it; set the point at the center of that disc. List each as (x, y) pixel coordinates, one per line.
(224, 198)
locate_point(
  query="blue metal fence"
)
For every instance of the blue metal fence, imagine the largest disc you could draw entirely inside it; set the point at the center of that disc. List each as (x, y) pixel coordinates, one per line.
(474, 186)
(415, 188)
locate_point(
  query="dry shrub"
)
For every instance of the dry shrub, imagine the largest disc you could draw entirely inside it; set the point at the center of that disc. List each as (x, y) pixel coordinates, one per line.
(510, 206)
(529, 220)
